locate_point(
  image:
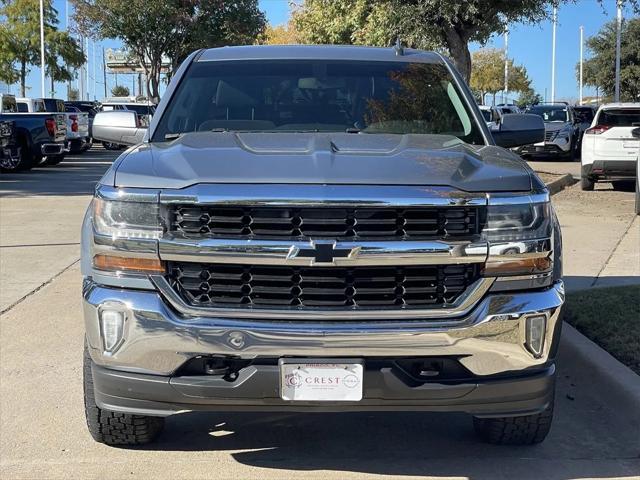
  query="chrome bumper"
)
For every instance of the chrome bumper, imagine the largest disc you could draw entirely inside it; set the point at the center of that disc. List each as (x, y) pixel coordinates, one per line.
(490, 339)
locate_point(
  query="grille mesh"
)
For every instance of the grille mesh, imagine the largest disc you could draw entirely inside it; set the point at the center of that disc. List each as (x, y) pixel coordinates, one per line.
(336, 223)
(280, 286)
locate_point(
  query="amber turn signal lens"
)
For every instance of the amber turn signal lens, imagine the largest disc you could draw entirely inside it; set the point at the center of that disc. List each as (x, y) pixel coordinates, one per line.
(519, 266)
(128, 264)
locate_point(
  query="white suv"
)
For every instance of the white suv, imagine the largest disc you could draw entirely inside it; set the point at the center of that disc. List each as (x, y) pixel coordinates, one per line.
(608, 148)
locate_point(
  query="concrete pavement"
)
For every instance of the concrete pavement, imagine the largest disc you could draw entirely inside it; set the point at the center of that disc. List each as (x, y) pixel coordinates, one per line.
(42, 430)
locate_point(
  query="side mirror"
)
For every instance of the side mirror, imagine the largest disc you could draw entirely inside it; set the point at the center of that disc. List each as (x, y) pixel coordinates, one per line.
(636, 132)
(118, 126)
(518, 129)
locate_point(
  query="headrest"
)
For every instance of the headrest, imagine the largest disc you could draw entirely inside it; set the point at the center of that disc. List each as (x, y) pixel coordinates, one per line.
(230, 97)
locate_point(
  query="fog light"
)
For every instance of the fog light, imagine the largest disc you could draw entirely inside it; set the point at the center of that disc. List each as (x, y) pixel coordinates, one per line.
(535, 328)
(112, 326)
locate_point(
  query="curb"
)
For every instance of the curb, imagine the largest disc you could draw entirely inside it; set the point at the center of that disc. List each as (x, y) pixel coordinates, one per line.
(616, 376)
(561, 183)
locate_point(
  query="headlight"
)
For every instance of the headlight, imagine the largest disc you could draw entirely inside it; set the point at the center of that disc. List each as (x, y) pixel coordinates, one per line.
(513, 223)
(126, 219)
(519, 238)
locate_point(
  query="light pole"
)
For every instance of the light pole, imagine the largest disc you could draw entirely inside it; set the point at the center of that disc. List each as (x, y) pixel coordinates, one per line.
(506, 65)
(553, 54)
(43, 72)
(581, 59)
(618, 31)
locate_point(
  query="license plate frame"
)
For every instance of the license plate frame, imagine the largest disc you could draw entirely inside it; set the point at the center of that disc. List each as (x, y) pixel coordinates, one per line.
(321, 380)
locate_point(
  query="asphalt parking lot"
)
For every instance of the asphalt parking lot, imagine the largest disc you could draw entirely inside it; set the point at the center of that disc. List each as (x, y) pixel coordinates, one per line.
(596, 432)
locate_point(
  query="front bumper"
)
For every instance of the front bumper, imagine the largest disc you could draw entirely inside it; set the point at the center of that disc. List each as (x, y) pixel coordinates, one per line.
(490, 339)
(548, 148)
(144, 375)
(257, 389)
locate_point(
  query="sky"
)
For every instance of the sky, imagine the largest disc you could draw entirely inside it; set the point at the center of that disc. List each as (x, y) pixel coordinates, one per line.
(529, 45)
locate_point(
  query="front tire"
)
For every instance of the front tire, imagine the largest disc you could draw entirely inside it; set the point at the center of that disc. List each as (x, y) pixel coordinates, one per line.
(113, 428)
(524, 430)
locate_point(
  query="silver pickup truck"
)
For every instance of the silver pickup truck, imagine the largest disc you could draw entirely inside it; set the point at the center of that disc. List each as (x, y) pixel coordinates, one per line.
(320, 228)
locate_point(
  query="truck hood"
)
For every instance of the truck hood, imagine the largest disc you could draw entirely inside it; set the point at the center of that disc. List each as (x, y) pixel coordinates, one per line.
(322, 158)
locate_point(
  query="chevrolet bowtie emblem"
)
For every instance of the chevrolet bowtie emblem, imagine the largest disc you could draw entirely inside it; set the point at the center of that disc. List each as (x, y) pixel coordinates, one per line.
(323, 252)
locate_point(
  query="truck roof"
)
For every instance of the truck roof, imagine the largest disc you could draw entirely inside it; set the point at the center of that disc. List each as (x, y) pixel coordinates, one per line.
(317, 52)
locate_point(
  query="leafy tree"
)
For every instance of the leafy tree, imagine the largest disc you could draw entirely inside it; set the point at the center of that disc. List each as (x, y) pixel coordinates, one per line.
(73, 94)
(153, 30)
(441, 24)
(20, 43)
(600, 70)
(279, 35)
(120, 91)
(529, 97)
(487, 74)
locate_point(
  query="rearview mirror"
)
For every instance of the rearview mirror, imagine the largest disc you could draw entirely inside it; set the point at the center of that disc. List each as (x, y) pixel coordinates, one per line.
(518, 129)
(121, 127)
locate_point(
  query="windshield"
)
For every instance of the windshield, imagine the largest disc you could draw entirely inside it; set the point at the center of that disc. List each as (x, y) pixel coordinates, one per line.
(318, 96)
(584, 115)
(9, 105)
(620, 117)
(551, 113)
(141, 109)
(53, 105)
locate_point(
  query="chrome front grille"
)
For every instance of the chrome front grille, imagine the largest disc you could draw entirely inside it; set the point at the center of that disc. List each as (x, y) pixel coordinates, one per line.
(414, 223)
(548, 135)
(228, 285)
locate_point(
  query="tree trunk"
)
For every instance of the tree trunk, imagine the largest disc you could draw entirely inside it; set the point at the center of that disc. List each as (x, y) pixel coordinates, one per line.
(459, 49)
(23, 78)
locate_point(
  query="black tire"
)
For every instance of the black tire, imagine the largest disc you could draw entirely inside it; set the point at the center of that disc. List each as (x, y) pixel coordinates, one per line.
(87, 146)
(25, 160)
(524, 430)
(53, 160)
(113, 428)
(587, 184)
(111, 146)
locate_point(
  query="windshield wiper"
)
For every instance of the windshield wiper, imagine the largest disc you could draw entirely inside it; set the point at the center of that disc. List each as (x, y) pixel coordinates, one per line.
(353, 130)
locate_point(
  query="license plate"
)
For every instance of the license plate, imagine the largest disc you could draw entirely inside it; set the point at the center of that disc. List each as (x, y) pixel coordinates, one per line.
(631, 144)
(311, 381)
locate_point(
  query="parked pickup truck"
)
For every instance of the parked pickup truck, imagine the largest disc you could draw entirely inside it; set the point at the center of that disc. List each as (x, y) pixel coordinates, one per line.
(320, 228)
(37, 135)
(78, 139)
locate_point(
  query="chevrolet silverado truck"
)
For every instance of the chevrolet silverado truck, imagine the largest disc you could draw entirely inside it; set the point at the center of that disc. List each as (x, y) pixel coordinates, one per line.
(320, 229)
(36, 135)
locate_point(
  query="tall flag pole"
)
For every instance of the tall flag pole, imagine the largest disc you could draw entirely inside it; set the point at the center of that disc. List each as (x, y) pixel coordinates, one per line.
(618, 32)
(42, 72)
(581, 60)
(553, 54)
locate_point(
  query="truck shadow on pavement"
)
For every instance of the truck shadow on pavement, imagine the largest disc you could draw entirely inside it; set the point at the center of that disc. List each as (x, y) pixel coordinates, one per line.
(594, 435)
